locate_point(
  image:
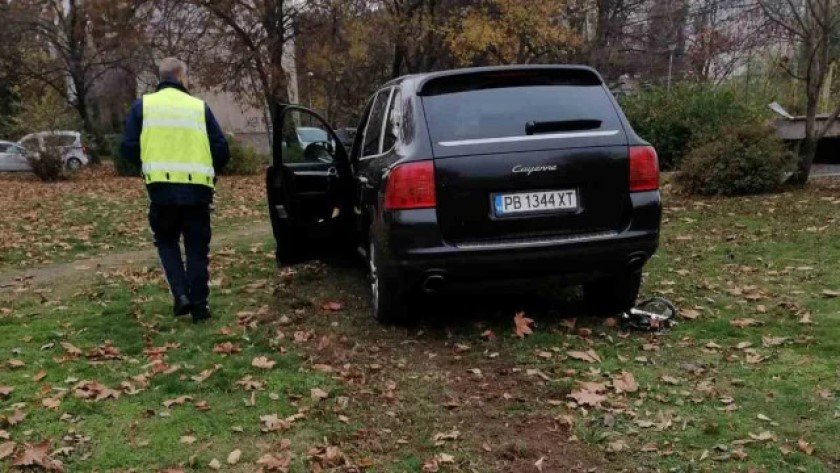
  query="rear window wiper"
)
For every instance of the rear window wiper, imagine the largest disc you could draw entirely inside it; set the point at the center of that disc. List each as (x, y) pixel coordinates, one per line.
(536, 128)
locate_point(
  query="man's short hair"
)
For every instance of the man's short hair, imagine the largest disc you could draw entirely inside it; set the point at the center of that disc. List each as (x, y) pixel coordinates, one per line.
(172, 69)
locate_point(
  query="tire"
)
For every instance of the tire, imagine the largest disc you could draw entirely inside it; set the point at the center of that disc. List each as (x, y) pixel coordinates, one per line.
(73, 164)
(613, 295)
(386, 300)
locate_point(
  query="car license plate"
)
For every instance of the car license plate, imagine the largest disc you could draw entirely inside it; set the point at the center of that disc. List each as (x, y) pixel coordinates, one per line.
(535, 202)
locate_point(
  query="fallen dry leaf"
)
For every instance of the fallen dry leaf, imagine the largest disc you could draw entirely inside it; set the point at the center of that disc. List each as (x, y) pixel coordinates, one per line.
(743, 323)
(14, 364)
(178, 401)
(39, 376)
(587, 398)
(805, 447)
(6, 449)
(829, 293)
(93, 390)
(215, 464)
(772, 341)
(276, 462)
(71, 349)
(332, 306)
(689, 314)
(318, 394)
(37, 455)
(234, 456)
(805, 319)
(201, 377)
(263, 363)
(522, 325)
(625, 383)
(227, 348)
(106, 351)
(669, 379)
(16, 418)
(5, 391)
(51, 403)
(250, 384)
(272, 423)
(588, 356)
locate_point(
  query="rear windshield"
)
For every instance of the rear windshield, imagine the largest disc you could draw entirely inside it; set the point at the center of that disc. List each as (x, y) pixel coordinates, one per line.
(502, 112)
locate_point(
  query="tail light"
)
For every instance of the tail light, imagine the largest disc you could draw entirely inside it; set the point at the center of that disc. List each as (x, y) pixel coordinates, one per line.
(411, 186)
(644, 169)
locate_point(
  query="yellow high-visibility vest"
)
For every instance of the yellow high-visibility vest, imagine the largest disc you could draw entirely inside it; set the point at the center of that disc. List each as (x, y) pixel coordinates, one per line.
(174, 145)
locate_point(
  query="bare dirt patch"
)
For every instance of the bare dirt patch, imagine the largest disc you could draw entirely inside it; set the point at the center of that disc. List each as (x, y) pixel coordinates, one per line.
(432, 389)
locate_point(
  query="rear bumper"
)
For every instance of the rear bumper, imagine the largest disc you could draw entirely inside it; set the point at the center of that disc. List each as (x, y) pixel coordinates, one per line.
(415, 250)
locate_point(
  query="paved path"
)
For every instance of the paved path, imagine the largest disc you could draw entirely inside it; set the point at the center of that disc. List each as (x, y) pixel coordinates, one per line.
(81, 270)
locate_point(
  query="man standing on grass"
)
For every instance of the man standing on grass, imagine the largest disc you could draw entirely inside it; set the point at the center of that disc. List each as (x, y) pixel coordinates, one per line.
(179, 144)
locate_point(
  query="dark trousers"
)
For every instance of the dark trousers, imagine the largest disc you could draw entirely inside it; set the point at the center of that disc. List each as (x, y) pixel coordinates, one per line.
(169, 223)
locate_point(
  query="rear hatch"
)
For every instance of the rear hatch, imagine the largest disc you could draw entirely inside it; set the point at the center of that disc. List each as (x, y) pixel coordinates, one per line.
(526, 154)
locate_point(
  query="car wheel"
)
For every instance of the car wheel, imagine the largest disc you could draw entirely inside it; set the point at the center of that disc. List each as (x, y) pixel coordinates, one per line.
(386, 301)
(613, 295)
(74, 164)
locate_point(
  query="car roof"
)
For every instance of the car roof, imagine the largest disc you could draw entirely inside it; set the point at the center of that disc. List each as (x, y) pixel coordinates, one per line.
(420, 79)
(53, 132)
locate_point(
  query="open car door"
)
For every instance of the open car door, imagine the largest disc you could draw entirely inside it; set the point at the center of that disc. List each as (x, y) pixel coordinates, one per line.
(308, 185)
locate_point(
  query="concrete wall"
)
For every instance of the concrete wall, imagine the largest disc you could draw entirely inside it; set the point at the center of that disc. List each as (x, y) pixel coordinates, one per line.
(245, 122)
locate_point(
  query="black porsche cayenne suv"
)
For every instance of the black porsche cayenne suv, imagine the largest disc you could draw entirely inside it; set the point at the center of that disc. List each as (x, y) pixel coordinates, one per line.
(470, 175)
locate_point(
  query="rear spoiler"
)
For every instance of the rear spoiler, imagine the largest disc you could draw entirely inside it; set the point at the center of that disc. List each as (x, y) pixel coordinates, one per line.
(461, 80)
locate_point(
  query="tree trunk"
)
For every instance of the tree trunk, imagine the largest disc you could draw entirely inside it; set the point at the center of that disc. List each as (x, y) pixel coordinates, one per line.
(94, 151)
(808, 147)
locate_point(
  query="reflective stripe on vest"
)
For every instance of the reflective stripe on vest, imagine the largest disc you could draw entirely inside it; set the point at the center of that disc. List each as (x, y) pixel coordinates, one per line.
(174, 145)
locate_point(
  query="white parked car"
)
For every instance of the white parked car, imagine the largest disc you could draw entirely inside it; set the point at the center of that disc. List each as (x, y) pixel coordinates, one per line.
(13, 157)
(73, 152)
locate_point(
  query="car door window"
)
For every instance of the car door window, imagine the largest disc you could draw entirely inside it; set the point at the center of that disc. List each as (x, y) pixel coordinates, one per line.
(306, 139)
(5, 148)
(389, 138)
(373, 130)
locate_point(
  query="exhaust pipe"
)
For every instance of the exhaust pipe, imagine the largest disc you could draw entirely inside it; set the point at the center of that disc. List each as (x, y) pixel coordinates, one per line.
(433, 283)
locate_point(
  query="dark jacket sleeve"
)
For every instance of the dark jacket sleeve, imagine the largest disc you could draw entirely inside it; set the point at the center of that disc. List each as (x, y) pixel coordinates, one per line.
(218, 143)
(130, 147)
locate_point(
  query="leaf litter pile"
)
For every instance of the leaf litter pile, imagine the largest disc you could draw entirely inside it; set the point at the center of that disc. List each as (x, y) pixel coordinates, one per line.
(294, 375)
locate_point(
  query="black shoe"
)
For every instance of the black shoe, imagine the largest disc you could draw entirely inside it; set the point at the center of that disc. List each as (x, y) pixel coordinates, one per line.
(181, 306)
(200, 315)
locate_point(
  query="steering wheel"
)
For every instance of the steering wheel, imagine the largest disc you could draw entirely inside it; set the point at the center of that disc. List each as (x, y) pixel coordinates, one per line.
(318, 151)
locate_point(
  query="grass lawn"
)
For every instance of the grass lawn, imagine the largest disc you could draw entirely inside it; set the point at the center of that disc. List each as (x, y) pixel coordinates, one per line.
(97, 212)
(747, 379)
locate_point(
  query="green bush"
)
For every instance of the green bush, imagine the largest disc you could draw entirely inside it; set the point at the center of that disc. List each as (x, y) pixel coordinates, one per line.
(672, 119)
(243, 159)
(744, 160)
